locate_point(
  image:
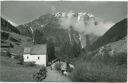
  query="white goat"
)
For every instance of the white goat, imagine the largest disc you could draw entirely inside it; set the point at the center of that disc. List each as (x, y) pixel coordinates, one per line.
(71, 66)
(65, 73)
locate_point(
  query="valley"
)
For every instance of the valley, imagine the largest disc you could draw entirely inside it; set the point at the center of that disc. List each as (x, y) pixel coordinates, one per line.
(64, 46)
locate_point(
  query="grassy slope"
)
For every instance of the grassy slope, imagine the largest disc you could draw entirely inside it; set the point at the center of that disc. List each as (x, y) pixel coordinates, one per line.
(12, 72)
(89, 71)
(119, 46)
(115, 33)
(103, 68)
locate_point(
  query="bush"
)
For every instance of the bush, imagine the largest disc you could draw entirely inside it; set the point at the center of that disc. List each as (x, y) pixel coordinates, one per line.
(43, 69)
(58, 66)
(20, 58)
(92, 72)
(41, 74)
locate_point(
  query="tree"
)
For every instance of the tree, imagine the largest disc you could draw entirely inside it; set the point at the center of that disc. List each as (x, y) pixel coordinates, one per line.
(76, 49)
(39, 37)
(50, 50)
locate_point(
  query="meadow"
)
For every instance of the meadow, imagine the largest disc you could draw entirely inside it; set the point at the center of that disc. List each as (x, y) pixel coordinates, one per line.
(10, 71)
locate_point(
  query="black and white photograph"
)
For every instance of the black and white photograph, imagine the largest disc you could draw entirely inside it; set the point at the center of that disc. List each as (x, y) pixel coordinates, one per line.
(63, 41)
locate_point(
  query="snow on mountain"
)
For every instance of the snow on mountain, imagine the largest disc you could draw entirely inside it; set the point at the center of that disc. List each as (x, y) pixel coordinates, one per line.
(83, 22)
(14, 24)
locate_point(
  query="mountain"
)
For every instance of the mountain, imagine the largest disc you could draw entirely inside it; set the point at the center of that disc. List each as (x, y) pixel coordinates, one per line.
(67, 39)
(47, 27)
(115, 33)
(54, 21)
(6, 26)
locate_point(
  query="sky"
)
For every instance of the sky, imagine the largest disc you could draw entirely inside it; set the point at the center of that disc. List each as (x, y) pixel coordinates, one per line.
(21, 12)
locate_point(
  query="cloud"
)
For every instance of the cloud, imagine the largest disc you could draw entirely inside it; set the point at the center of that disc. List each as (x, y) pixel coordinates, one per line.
(86, 24)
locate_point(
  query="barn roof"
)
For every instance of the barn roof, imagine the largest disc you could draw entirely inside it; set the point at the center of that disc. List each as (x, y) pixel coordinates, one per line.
(36, 49)
(27, 50)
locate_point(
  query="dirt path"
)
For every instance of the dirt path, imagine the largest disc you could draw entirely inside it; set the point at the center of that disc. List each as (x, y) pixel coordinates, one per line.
(54, 76)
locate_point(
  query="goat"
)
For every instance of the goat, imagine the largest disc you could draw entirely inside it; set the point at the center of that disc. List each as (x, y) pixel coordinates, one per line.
(65, 73)
(71, 66)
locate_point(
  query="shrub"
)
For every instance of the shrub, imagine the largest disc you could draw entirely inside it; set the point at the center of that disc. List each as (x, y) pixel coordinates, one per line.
(92, 72)
(58, 66)
(43, 69)
(41, 74)
(20, 58)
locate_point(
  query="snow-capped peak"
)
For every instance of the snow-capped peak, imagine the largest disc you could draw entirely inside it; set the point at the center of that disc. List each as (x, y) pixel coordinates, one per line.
(14, 24)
